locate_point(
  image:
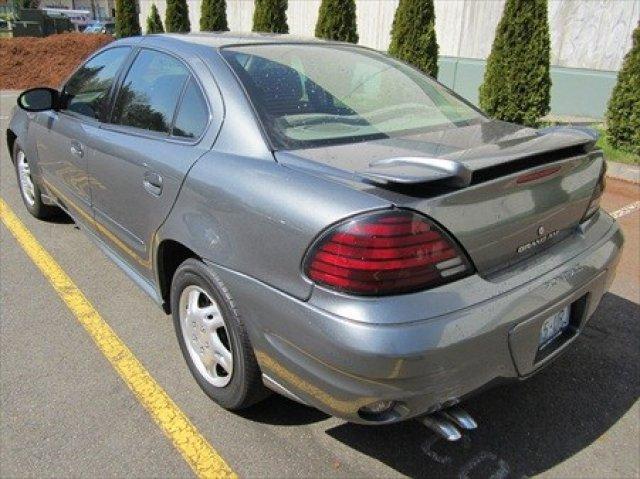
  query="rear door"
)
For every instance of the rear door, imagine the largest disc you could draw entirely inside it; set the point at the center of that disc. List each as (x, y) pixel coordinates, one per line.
(144, 152)
(64, 137)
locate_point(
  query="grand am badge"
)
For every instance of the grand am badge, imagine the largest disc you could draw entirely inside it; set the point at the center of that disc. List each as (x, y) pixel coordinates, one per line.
(538, 241)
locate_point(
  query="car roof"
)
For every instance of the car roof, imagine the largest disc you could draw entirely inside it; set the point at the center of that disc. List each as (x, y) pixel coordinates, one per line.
(226, 39)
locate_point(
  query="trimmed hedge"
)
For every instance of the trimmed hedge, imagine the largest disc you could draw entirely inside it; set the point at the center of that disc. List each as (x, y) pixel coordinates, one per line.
(127, 24)
(154, 23)
(413, 35)
(337, 21)
(270, 16)
(623, 115)
(177, 17)
(213, 16)
(517, 83)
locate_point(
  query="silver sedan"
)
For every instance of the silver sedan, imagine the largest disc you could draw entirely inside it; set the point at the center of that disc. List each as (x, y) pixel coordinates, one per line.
(324, 221)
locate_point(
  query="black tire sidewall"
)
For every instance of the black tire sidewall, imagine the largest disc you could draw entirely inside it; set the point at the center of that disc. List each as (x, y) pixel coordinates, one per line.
(234, 394)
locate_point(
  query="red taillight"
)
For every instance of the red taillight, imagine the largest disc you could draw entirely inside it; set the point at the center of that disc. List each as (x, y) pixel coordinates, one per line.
(384, 253)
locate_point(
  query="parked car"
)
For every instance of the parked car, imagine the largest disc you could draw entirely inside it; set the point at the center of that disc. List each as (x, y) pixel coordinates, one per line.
(324, 221)
(108, 28)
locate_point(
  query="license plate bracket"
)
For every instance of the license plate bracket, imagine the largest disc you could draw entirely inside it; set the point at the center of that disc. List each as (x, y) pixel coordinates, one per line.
(553, 327)
(569, 325)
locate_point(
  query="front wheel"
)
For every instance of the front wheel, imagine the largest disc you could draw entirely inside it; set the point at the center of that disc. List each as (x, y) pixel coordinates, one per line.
(213, 339)
(29, 189)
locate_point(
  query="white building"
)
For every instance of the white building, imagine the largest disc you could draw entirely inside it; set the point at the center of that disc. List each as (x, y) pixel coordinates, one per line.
(100, 9)
(589, 39)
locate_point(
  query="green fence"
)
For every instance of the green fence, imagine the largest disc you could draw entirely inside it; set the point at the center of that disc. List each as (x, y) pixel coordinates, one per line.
(575, 92)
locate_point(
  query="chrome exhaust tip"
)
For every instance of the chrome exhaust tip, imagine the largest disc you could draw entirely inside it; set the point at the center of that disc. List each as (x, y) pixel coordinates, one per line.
(447, 423)
(460, 418)
(443, 428)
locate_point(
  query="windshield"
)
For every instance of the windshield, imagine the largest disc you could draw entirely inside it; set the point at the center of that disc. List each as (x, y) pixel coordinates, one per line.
(311, 95)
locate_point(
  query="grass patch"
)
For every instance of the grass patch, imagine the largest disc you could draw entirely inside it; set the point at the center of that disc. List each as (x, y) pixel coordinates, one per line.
(613, 154)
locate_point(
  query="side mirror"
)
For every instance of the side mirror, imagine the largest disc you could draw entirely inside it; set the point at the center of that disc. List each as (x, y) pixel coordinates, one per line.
(39, 99)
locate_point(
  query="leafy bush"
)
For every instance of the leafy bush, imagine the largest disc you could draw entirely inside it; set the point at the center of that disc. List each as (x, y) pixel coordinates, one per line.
(177, 16)
(154, 23)
(623, 116)
(337, 21)
(270, 16)
(413, 35)
(213, 16)
(127, 24)
(517, 84)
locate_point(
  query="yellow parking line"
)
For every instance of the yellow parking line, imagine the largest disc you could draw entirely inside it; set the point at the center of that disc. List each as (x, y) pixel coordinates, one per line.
(195, 449)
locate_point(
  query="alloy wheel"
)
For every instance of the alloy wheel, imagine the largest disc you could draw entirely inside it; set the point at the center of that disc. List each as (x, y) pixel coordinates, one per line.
(27, 187)
(205, 335)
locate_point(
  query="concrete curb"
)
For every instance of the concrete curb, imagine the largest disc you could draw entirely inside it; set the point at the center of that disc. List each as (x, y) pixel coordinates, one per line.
(624, 172)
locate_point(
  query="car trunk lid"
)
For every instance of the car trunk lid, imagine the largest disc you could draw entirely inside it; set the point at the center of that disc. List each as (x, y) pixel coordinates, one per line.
(505, 192)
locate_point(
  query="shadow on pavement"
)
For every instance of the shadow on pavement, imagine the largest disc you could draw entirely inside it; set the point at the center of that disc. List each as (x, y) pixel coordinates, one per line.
(61, 218)
(527, 427)
(280, 411)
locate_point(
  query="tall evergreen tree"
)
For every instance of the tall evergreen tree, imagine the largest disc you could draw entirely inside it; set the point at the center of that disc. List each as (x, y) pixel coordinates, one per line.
(154, 23)
(270, 16)
(213, 16)
(413, 35)
(127, 24)
(337, 21)
(623, 116)
(29, 4)
(517, 84)
(177, 16)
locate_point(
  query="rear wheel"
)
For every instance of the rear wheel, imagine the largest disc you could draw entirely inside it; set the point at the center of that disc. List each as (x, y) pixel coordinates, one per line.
(29, 189)
(213, 339)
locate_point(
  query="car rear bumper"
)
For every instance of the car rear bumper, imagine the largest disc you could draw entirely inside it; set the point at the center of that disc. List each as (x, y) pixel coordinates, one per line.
(341, 353)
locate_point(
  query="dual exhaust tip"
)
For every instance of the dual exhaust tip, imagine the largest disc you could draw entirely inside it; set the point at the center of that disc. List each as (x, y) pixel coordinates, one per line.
(447, 423)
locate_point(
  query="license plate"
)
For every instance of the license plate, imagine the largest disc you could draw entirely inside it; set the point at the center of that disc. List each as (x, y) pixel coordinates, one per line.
(553, 327)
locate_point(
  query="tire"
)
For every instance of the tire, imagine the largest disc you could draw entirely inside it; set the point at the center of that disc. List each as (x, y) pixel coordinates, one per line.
(206, 320)
(29, 189)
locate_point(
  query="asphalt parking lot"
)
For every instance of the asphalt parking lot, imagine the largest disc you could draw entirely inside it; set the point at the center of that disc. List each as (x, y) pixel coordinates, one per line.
(66, 412)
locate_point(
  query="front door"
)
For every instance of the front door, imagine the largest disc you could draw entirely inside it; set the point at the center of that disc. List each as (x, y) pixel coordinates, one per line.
(64, 138)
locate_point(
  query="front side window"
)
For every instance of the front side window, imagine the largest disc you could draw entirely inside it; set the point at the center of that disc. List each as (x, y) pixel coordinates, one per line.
(88, 89)
(308, 95)
(193, 116)
(150, 92)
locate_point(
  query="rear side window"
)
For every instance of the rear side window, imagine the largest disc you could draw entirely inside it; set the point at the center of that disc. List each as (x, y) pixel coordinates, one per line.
(193, 115)
(88, 89)
(150, 92)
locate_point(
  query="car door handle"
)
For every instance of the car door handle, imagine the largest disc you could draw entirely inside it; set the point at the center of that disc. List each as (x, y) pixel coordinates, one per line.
(76, 149)
(153, 183)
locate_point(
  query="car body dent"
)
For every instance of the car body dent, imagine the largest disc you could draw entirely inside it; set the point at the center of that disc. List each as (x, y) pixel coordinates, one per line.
(228, 202)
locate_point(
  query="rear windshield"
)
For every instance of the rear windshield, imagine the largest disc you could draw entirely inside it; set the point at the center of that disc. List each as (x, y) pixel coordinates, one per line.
(312, 95)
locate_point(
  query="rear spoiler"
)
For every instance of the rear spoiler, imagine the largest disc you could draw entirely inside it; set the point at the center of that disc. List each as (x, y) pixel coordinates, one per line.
(409, 170)
(464, 168)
